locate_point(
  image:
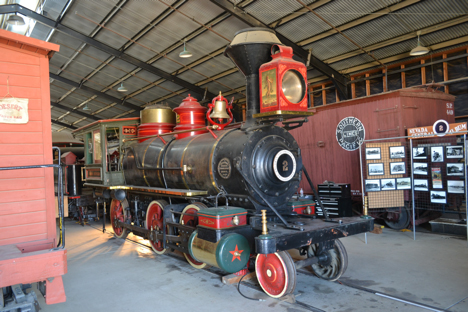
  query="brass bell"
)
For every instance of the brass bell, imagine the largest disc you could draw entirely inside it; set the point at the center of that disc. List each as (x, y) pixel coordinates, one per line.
(219, 110)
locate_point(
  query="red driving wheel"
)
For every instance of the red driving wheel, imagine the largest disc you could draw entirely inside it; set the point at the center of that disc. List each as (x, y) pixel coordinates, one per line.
(117, 212)
(276, 273)
(154, 221)
(189, 218)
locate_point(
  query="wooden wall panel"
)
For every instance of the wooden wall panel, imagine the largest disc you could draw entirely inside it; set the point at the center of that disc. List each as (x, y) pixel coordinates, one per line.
(22, 207)
(26, 196)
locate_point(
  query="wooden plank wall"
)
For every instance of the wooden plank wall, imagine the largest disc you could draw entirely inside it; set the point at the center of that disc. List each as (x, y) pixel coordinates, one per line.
(25, 195)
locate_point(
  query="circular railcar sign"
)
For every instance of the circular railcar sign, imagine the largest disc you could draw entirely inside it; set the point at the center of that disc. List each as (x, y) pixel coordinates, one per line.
(440, 127)
(284, 165)
(224, 168)
(350, 133)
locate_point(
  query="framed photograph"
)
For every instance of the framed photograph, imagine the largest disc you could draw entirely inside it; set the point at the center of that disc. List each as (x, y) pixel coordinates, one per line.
(454, 169)
(372, 185)
(420, 168)
(454, 151)
(437, 153)
(388, 184)
(397, 167)
(438, 197)
(397, 152)
(421, 185)
(376, 169)
(456, 187)
(403, 183)
(419, 152)
(372, 153)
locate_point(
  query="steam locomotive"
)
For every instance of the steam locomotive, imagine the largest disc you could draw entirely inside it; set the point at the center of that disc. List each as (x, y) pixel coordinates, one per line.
(222, 194)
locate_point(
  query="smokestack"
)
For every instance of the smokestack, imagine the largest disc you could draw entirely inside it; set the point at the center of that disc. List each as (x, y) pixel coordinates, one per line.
(250, 48)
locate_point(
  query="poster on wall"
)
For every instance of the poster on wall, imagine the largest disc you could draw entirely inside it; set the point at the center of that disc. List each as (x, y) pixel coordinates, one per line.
(438, 197)
(437, 154)
(372, 153)
(454, 151)
(388, 184)
(403, 183)
(419, 152)
(455, 169)
(420, 168)
(14, 111)
(420, 185)
(397, 152)
(436, 178)
(372, 185)
(456, 187)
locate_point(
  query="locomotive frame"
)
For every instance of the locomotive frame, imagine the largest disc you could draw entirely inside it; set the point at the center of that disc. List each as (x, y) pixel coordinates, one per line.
(220, 196)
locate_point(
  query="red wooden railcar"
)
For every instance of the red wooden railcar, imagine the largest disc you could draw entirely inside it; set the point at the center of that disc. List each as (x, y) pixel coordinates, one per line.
(27, 205)
(385, 115)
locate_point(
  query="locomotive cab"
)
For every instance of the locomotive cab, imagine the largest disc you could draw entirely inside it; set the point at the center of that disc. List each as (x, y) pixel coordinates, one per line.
(102, 149)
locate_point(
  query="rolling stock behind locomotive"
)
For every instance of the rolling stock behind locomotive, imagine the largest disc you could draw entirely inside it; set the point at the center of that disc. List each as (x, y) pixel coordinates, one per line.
(221, 194)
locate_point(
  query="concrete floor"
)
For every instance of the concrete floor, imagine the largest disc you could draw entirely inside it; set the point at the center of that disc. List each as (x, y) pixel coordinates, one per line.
(105, 273)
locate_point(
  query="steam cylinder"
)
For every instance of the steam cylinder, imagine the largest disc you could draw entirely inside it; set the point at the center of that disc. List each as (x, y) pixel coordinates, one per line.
(231, 253)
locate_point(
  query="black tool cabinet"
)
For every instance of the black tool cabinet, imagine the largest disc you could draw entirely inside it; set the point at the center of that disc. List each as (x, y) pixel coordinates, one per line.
(336, 198)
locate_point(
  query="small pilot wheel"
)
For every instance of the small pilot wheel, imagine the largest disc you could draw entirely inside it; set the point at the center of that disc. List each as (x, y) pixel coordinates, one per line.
(332, 263)
(191, 220)
(154, 221)
(118, 211)
(276, 273)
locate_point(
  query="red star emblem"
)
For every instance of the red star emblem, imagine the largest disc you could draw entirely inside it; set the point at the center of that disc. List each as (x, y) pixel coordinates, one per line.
(236, 253)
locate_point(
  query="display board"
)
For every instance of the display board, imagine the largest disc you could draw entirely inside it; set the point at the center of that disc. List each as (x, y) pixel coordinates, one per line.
(385, 163)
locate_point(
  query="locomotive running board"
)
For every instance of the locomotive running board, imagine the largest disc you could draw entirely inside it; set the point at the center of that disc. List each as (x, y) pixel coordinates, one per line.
(156, 190)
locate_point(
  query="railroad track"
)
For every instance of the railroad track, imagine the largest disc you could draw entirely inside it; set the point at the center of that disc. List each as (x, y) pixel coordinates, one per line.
(291, 299)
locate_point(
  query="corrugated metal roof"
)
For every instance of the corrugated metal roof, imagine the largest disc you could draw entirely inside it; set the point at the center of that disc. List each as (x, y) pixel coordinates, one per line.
(93, 10)
(126, 18)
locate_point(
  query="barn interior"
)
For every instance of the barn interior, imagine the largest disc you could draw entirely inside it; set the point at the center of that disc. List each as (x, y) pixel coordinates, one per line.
(376, 68)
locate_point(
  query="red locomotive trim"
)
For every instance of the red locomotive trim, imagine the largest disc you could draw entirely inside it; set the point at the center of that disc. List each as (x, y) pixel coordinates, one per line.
(74, 197)
(220, 223)
(236, 254)
(129, 130)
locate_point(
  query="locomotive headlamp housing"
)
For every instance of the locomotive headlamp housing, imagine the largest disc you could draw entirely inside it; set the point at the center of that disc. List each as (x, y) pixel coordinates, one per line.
(282, 82)
(293, 86)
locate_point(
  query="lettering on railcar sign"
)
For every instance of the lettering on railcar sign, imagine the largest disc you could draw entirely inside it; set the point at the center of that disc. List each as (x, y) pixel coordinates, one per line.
(224, 168)
(14, 111)
(350, 133)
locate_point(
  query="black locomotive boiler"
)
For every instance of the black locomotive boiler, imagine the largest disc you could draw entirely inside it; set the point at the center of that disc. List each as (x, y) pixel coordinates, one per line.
(225, 196)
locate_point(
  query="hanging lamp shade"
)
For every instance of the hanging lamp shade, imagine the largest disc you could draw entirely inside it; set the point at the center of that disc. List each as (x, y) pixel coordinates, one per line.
(185, 53)
(420, 49)
(122, 88)
(15, 20)
(86, 108)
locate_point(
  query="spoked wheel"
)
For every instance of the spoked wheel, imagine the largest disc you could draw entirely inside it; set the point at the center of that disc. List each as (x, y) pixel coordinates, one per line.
(118, 211)
(332, 263)
(192, 221)
(154, 221)
(397, 218)
(276, 273)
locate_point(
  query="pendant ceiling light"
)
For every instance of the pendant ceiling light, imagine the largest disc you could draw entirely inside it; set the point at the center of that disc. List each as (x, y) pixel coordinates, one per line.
(419, 50)
(122, 88)
(15, 20)
(86, 107)
(185, 53)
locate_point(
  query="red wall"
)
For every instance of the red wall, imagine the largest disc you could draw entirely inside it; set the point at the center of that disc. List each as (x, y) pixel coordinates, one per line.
(385, 115)
(27, 210)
